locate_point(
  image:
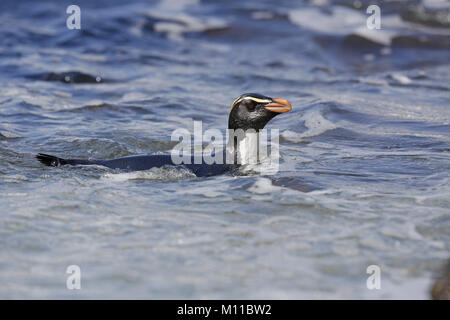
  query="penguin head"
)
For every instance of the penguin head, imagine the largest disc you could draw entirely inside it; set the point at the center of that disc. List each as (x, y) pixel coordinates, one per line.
(253, 111)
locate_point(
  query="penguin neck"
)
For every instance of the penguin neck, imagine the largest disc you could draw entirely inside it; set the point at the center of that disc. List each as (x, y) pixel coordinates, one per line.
(246, 148)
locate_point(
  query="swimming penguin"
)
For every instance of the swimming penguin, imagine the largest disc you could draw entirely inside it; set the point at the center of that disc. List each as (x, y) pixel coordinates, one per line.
(249, 111)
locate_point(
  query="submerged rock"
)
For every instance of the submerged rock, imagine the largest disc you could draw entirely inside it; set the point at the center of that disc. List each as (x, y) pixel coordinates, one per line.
(441, 287)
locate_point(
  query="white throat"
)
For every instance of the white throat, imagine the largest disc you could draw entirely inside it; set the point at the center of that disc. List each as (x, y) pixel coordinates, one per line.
(248, 148)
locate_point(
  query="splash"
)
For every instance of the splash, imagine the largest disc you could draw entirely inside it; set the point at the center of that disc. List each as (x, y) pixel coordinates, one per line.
(164, 173)
(315, 123)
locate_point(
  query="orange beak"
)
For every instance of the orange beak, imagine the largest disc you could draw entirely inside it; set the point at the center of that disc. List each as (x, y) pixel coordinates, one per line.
(279, 105)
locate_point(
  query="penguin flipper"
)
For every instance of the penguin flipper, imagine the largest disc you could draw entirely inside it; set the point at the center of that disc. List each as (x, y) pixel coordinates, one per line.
(51, 161)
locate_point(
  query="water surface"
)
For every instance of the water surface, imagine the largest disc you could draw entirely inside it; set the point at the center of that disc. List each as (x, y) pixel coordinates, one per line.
(364, 174)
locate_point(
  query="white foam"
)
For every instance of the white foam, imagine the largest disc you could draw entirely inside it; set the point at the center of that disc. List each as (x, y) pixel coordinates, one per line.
(207, 191)
(134, 96)
(169, 173)
(314, 122)
(178, 21)
(14, 178)
(344, 21)
(9, 135)
(262, 186)
(400, 78)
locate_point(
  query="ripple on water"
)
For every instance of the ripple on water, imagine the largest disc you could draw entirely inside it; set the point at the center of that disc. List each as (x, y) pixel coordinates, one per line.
(164, 173)
(364, 171)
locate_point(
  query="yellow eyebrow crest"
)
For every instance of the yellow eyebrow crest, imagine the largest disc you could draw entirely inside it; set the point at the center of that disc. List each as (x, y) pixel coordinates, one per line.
(257, 100)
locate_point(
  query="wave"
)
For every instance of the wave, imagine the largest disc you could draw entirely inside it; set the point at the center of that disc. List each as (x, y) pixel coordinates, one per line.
(8, 135)
(345, 22)
(315, 123)
(165, 174)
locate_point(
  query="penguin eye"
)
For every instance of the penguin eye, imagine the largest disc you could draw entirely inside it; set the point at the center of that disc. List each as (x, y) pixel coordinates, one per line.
(250, 104)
